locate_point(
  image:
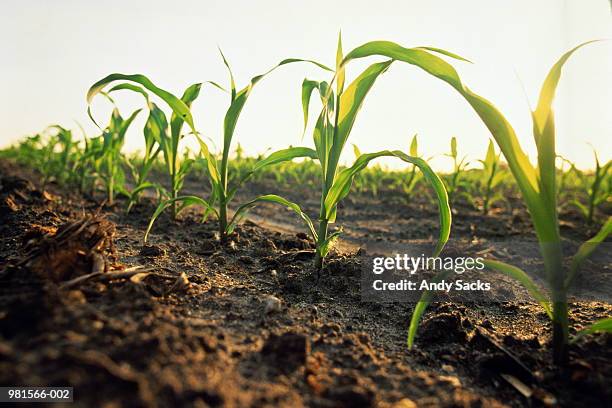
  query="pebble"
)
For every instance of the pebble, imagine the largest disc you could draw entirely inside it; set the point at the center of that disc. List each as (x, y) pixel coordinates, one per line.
(272, 304)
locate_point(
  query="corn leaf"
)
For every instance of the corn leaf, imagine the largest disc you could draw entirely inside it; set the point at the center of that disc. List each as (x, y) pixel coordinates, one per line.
(275, 158)
(285, 155)
(497, 124)
(130, 87)
(420, 307)
(178, 106)
(186, 202)
(272, 198)
(344, 180)
(231, 74)
(176, 121)
(489, 161)
(600, 326)
(586, 249)
(414, 146)
(238, 102)
(308, 86)
(350, 102)
(544, 133)
(340, 70)
(524, 279)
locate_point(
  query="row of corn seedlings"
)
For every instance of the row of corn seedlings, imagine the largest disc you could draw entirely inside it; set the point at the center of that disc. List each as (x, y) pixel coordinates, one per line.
(340, 102)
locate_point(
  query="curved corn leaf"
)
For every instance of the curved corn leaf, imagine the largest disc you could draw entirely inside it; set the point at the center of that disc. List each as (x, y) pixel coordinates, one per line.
(420, 307)
(277, 157)
(524, 279)
(586, 249)
(179, 108)
(342, 186)
(500, 128)
(272, 198)
(600, 326)
(285, 155)
(175, 103)
(142, 187)
(130, 87)
(444, 52)
(186, 202)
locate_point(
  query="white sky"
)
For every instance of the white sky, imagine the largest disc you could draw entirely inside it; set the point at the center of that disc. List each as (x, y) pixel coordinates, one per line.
(52, 51)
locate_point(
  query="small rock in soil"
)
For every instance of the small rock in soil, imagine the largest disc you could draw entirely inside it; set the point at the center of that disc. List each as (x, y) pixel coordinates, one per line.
(272, 304)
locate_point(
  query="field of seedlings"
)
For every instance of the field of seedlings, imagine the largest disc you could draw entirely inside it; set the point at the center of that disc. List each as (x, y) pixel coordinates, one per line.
(209, 277)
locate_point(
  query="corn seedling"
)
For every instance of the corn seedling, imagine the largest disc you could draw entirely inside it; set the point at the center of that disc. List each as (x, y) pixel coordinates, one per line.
(492, 176)
(598, 191)
(331, 132)
(218, 172)
(537, 185)
(113, 139)
(569, 177)
(160, 131)
(53, 152)
(107, 153)
(454, 181)
(415, 175)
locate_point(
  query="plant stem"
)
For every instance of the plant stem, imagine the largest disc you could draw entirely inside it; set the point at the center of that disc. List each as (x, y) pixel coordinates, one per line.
(174, 204)
(553, 258)
(560, 330)
(322, 236)
(591, 208)
(223, 220)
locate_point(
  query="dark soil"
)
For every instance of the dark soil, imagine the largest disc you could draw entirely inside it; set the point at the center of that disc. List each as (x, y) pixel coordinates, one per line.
(251, 323)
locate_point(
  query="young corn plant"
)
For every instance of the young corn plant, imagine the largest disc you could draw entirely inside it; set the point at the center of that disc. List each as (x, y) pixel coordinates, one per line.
(454, 181)
(110, 156)
(62, 161)
(331, 131)
(415, 175)
(155, 138)
(597, 192)
(537, 185)
(492, 176)
(218, 172)
(568, 178)
(159, 131)
(88, 165)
